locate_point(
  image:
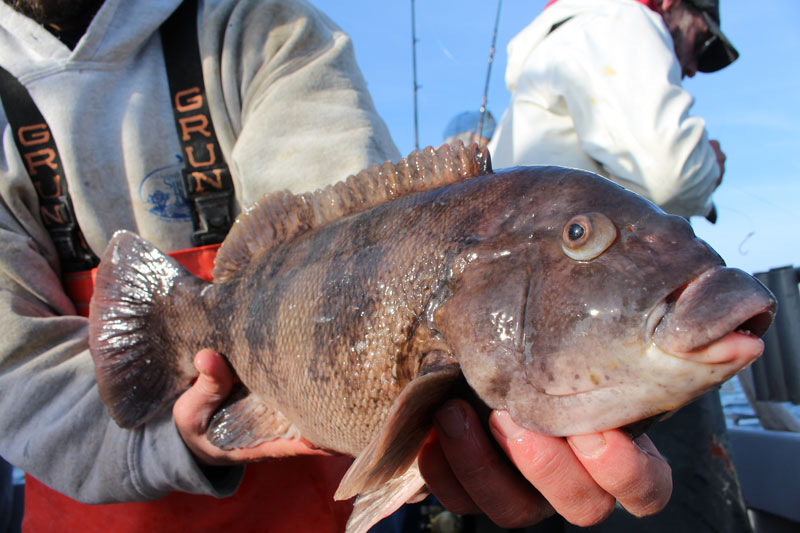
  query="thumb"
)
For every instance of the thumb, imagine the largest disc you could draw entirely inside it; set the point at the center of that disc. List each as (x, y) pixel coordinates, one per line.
(212, 386)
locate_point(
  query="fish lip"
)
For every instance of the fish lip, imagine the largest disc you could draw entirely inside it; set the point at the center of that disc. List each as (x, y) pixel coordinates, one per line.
(753, 316)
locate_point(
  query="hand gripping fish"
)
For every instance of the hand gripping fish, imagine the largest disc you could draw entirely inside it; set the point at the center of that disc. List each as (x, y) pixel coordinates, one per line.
(350, 313)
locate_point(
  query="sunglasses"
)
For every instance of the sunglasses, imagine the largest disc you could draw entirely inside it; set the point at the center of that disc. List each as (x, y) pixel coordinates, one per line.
(703, 46)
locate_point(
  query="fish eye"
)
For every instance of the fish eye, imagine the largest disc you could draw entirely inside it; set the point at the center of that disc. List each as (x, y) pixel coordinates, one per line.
(587, 236)
(575, 232)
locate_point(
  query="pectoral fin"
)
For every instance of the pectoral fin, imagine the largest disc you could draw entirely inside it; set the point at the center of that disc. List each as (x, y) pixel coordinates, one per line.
(396, 446)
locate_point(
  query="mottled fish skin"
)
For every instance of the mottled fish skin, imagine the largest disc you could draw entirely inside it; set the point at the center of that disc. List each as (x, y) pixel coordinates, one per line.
(545, 286)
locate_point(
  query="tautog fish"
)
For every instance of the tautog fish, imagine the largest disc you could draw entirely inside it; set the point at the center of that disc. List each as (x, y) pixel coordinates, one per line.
(349, 313)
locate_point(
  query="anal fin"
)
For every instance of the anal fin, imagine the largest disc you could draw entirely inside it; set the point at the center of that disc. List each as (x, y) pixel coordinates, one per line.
(245, 421)
(395, 447)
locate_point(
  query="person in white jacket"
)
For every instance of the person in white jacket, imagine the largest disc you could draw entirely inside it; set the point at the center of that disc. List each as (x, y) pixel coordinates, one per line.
(291, 111)
(596, 84)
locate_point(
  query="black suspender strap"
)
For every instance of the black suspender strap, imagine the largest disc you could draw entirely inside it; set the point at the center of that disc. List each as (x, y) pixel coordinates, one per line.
(206, 177)
(38, 149)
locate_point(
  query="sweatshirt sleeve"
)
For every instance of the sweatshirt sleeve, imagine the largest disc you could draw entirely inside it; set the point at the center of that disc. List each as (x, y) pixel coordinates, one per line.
(622, 86)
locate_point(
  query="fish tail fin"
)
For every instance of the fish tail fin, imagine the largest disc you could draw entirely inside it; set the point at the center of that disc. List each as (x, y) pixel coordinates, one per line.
(142, 358)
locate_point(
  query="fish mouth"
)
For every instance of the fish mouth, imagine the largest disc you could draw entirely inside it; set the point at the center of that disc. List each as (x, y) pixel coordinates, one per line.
(718, 317)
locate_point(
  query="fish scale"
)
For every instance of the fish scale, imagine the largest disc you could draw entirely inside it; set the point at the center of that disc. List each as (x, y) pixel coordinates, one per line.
(373, 334)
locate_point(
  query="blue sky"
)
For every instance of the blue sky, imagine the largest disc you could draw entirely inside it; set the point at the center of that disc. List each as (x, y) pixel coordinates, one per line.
(752, 107)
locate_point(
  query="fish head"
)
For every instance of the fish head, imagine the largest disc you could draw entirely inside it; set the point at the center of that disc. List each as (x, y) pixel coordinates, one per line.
(601, 310)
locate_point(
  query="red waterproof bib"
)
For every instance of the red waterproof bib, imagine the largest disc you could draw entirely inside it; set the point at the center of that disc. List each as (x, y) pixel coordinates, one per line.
(282, 495)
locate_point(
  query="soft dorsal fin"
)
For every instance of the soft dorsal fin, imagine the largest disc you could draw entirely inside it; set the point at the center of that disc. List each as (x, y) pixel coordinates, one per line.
(281, 216)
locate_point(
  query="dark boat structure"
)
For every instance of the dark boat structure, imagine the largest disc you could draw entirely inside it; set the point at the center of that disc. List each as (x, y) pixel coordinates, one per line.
(767, 458)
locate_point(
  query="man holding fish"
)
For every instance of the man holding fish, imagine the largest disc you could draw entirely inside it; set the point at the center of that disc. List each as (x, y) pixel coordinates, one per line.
(288, 105)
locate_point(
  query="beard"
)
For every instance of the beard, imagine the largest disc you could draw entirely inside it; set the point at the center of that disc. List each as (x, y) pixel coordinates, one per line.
(65, 14)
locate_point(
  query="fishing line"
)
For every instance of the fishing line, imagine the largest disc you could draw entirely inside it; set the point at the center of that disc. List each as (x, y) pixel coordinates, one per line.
(414, 69)
(489, 70)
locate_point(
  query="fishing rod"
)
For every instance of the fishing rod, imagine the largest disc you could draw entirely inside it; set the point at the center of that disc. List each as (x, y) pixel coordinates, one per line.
(414, 67)
(488, 70)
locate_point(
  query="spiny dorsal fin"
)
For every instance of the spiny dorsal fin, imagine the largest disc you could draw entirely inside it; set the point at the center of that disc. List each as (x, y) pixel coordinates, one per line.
(281, 216)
